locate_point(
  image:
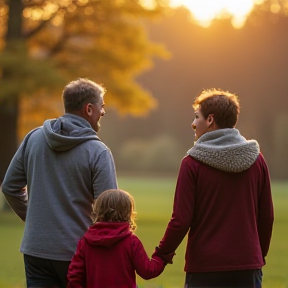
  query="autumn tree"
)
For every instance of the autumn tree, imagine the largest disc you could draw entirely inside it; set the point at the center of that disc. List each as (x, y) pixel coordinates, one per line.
(45, 43)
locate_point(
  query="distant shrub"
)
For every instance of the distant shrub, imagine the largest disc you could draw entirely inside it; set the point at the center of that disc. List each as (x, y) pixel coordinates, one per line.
(161, 154)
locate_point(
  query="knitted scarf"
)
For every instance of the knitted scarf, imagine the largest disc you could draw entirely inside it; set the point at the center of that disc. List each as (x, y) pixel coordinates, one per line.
(225, 149)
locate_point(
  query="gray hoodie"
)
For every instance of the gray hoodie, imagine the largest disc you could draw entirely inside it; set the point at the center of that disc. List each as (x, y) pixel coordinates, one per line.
(65, 167)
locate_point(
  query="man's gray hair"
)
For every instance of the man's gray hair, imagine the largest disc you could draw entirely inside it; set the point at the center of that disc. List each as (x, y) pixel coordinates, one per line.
(80, 92)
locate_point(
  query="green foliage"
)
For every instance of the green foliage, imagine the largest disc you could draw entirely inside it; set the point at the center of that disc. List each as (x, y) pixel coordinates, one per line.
(154, 199)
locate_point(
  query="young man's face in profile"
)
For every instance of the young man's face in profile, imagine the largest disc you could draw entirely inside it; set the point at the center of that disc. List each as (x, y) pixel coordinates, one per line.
(200, 124)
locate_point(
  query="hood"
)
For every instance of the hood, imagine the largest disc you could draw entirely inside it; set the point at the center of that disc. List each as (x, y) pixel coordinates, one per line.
(107, 233)
(225, 149)
(67, 132)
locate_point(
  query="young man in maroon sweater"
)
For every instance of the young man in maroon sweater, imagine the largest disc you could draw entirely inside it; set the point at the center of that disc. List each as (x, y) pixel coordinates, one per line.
(222, 199)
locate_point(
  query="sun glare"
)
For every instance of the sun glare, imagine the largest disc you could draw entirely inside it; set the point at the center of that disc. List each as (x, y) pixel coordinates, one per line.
(204, 11)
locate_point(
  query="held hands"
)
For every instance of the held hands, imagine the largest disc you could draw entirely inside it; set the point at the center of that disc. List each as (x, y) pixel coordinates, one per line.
(167, 258)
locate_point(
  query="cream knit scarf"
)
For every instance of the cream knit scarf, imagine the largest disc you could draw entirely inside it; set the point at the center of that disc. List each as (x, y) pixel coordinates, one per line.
(225, 149)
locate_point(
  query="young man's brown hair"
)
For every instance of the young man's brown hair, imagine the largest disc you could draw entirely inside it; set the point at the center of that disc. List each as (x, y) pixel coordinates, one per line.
(222, 104)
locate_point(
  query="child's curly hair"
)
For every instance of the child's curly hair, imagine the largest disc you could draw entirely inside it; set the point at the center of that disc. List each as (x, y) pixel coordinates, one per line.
(115, 205)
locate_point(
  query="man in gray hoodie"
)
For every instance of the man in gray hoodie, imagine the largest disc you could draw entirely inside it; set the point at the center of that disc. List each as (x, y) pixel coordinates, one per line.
(52, 180)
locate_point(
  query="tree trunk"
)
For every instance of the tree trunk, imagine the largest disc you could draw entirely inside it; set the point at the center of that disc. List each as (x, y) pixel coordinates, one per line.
(8, 132)
(9, 103)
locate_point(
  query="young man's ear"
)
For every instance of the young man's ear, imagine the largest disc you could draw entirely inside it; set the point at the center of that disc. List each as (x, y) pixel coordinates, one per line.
(210, 119)
(211, 123)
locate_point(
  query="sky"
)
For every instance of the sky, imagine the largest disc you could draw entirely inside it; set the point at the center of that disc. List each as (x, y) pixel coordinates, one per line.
(204, 11)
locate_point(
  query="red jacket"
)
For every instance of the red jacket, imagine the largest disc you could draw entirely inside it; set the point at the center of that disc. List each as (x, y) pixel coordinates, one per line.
(229, 217)
(108, 256)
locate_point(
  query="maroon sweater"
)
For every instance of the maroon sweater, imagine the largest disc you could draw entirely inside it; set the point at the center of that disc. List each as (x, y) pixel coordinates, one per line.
(229, 217)
(108, 256)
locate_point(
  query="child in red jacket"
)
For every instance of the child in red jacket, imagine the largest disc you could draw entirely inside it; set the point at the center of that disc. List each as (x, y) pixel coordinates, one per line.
(109, 253)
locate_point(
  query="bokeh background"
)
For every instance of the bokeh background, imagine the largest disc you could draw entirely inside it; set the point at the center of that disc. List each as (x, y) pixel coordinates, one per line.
(154, 58)
(153, 61)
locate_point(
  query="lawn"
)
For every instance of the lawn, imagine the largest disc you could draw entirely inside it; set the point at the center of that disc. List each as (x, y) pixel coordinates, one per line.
(154, 198)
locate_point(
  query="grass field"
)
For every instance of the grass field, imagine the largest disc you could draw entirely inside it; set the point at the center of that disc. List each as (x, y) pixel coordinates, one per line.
(154, 198)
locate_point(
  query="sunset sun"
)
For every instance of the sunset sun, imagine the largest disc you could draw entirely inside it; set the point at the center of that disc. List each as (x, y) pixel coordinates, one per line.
(204, 11)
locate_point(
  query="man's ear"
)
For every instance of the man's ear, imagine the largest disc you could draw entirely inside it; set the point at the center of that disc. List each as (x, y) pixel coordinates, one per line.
(88, 109)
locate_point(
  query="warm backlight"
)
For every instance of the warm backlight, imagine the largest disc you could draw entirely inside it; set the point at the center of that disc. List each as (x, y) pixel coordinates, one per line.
(204, 11)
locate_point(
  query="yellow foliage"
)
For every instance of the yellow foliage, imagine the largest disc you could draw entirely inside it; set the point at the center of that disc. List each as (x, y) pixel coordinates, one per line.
(104, 40)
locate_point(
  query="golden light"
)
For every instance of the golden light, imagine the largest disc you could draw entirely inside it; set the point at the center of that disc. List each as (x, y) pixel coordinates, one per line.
(204, 11)
(45, 13)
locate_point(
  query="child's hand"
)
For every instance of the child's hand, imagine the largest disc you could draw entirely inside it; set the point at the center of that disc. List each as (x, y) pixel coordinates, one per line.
(167, 258)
